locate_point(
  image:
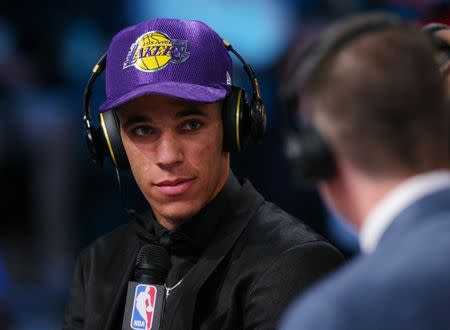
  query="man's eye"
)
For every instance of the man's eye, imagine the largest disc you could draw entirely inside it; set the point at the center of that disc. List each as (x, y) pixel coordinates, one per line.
(142, 131)
(192, 125)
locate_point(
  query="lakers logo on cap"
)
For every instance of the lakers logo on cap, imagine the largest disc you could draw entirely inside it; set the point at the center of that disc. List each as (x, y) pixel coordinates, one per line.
(154, 50)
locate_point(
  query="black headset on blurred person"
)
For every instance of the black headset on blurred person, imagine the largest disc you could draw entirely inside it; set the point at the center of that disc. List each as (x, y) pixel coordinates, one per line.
(243, 120)
(442, 50)
(310, 156)
(442, 46)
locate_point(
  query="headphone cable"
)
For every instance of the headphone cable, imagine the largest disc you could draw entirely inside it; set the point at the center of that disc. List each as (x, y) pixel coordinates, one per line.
(123, 195)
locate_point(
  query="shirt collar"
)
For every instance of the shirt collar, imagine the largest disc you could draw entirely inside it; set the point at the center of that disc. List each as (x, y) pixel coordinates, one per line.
(384, 213)
(202, 227)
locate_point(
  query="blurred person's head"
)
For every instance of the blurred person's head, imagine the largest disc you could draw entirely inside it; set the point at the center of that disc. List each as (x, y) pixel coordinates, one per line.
(371, 90)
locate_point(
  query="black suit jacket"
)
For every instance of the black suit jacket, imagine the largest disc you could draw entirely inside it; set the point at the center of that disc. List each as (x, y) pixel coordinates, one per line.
(259, 259)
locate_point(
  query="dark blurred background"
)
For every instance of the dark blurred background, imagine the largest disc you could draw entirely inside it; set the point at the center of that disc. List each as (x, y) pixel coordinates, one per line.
(55, 201)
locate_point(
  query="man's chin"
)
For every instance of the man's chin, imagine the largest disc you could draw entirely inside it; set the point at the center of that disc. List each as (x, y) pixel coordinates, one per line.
(175, 215)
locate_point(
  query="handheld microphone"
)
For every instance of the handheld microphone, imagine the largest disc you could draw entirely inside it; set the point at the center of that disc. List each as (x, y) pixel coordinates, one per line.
(146, 295)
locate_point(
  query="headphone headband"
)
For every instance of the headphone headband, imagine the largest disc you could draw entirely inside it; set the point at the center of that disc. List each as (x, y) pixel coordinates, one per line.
(438, 43)
(241, 120)
(256, 97)
(333, 41)
(96, 71)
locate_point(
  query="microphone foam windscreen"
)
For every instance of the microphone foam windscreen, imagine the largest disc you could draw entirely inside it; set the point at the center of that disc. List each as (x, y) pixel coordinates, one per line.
(152, 260)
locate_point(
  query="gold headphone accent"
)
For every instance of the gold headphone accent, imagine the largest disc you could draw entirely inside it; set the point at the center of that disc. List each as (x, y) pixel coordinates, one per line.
(108, 142)
(96, 68)
(238, 112)
(258, 93)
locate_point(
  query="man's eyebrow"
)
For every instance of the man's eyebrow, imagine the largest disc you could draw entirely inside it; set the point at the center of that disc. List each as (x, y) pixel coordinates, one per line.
(136, 119)
(190, 112)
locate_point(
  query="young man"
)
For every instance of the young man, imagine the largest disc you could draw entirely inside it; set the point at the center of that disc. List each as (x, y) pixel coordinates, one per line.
(373, 94)
(236, 260)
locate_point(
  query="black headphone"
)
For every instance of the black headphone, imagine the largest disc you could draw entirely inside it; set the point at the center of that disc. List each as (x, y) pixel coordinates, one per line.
(310, 155)
(439, 44)
(243, 121)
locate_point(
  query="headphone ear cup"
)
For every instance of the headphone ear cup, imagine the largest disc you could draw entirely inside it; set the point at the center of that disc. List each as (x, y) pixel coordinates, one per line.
(94, 142)
(314, 158)
(258, 121)
(112, 140)
(236, 118)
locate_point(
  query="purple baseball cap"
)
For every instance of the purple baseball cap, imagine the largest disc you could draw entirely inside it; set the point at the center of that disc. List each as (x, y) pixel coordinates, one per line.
(183, 59)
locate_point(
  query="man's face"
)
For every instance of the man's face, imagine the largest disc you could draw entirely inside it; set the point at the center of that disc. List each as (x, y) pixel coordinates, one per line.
(175, 153)
(445, 68)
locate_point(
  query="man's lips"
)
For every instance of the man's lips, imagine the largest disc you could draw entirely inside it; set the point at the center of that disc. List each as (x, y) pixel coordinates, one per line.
(174, 187)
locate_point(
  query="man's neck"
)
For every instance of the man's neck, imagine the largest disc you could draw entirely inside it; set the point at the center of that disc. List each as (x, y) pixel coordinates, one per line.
(167, 223)
(369, 192)
(353, 194)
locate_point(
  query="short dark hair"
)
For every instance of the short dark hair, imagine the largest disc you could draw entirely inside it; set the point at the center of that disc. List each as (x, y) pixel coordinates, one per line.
(379, 102)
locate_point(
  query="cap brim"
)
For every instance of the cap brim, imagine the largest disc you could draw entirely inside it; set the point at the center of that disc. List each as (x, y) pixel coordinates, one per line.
(188, 92)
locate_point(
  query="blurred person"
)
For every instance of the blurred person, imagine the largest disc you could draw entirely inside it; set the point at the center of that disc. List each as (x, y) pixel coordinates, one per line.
(373, 134)
(172, 115)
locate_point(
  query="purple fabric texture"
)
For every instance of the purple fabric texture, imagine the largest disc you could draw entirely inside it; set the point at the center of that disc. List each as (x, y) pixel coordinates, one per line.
(183, 59)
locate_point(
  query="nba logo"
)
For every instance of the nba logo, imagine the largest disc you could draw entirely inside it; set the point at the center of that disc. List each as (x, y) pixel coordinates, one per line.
(143, 307)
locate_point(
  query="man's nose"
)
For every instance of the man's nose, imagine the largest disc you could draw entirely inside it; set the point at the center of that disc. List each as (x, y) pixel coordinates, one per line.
(169, 151)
